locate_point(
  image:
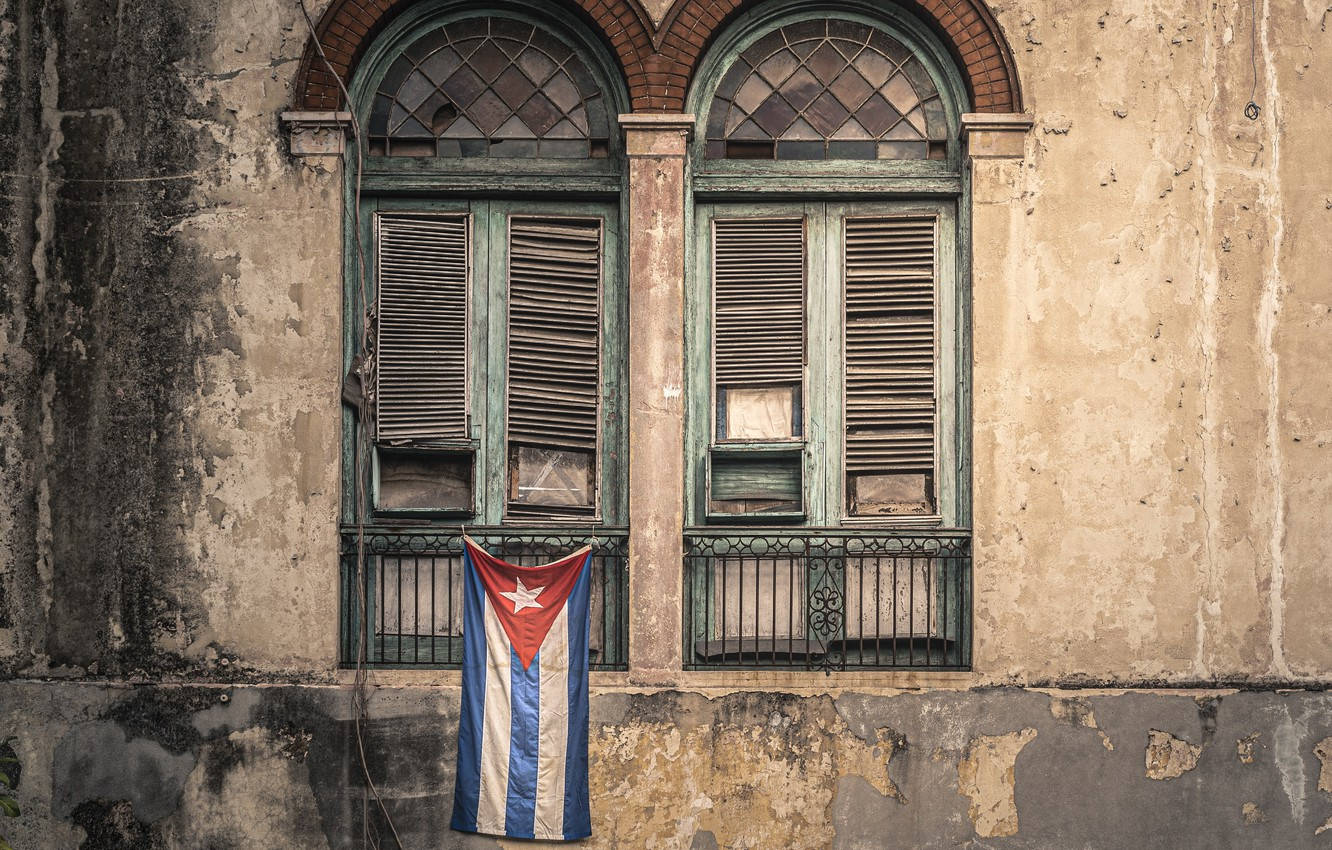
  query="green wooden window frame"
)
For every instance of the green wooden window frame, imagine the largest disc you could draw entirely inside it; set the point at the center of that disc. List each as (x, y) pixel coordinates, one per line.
(824, 193)
(487, 437)
(820, 446)
(489, 191)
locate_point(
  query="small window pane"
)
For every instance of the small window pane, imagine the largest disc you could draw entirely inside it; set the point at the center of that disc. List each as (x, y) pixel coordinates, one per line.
(760, 413)
(550, 477)
(425, 481)
(877, 495)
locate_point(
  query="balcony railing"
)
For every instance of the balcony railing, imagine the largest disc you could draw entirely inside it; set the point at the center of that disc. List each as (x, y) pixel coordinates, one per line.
(827, 599)
(412, 613)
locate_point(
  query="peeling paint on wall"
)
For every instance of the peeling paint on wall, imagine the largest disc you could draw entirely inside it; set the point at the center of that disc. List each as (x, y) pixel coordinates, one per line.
(1169, 757)
(1323, 750)
(987, 776)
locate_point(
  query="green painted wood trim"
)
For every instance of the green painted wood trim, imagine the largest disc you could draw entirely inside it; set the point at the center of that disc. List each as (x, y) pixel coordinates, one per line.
(721, 187)
(565, 186)
(487, 367)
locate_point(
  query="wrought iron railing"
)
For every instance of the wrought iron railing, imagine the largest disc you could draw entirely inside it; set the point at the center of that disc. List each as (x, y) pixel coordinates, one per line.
(827, 599)
(411, 579)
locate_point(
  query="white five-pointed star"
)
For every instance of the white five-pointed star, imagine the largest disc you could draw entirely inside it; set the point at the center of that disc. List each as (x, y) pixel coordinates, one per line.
(522, 597)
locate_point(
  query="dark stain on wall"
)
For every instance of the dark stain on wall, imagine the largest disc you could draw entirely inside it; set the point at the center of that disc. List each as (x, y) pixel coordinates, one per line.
(101, 146)
(111, 825)
(164, 715)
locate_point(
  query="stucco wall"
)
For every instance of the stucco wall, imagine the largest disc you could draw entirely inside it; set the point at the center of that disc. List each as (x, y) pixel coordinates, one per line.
(1151, 322)
(1152, 479)
(161, 766)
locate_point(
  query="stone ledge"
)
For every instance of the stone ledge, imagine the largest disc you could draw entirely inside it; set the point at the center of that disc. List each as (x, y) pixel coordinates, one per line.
(317, 133)
(996, 134)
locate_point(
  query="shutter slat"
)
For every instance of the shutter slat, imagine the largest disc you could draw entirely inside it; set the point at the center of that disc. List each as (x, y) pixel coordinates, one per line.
(890, 345)
(759, 292)
(421, 374)
(554, 332)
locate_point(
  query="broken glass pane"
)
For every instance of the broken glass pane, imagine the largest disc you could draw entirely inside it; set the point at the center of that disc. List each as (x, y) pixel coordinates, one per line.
(550, 477)
(902, 494)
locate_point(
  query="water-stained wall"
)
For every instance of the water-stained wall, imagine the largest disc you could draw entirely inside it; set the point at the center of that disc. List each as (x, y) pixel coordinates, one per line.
(245, 766)
(1152, 318)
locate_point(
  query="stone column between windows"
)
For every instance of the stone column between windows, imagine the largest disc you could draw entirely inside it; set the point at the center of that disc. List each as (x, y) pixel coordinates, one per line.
(656, 146)
(995, 148)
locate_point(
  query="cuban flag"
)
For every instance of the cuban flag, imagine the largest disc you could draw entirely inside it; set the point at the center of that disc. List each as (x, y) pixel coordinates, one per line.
(522, 740)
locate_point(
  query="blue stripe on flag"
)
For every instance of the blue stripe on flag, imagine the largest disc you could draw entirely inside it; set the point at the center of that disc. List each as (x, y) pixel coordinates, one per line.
(577, 814)
(466, 797)
(524, 742)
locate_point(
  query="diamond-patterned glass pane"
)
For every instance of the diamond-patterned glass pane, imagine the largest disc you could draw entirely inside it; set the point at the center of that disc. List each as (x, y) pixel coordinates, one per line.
(826, 89)
(494, 86)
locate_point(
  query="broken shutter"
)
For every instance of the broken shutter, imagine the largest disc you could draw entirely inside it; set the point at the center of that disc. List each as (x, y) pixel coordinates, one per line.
(758, 268)
(554, 364)
(890, 365)
(421, 378)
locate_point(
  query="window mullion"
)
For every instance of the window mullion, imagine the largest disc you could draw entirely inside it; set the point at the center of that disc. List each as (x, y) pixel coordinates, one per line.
(492, 219)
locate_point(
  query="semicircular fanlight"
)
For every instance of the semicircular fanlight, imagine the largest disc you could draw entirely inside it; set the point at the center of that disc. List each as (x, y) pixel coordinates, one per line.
(826, 89)
(489, 87)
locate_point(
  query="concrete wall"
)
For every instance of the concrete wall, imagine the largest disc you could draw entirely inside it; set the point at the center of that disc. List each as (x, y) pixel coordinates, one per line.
(191, 766)
(1153, 458)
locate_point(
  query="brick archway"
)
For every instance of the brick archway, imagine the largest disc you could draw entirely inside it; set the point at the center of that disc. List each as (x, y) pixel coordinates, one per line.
(658, 63)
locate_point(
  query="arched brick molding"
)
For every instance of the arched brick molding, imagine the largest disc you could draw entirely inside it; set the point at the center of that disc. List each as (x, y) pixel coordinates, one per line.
(658, 64)
(347, 28)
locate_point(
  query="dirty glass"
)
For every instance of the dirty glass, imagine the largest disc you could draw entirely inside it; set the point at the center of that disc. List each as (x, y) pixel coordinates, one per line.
(549, 477)
(826, 89)
(489, 87)
(902, 494)
(425, 481)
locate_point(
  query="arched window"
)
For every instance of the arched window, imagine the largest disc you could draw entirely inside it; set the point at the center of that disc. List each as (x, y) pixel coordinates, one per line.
(827, 89)
(485, 319)
(828, 421)
(489, 86)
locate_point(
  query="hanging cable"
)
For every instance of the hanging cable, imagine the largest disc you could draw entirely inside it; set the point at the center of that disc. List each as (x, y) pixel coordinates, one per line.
(1251, 109)
(365, 374)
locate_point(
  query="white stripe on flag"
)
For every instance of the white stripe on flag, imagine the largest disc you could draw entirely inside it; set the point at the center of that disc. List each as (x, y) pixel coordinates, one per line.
(554, 661)
(497, 728)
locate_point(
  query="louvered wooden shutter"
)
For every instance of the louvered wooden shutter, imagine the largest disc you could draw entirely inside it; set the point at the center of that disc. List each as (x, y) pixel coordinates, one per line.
(890, 351)
(759, 283)
(421, 385)
(554, 332)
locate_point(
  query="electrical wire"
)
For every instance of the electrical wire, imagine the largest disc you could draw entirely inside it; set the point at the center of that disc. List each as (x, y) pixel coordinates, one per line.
(365, 371)
(1251, 109)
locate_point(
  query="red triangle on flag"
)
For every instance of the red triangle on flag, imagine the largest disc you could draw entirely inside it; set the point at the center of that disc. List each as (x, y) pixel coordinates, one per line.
(526, 599)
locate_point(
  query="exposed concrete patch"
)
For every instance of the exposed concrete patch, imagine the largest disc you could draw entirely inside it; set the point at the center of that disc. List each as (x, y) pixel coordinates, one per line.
(1075, 711)
(1244, 747)
(1252, 814)
(1323, 749)
(753, 769)
(987, 776)
(1169, 757)
(1078, 712)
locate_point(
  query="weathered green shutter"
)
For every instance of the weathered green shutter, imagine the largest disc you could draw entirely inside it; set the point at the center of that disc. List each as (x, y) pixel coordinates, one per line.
(421, 376)
(554, 362)
(759, 285)
(890, 349)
